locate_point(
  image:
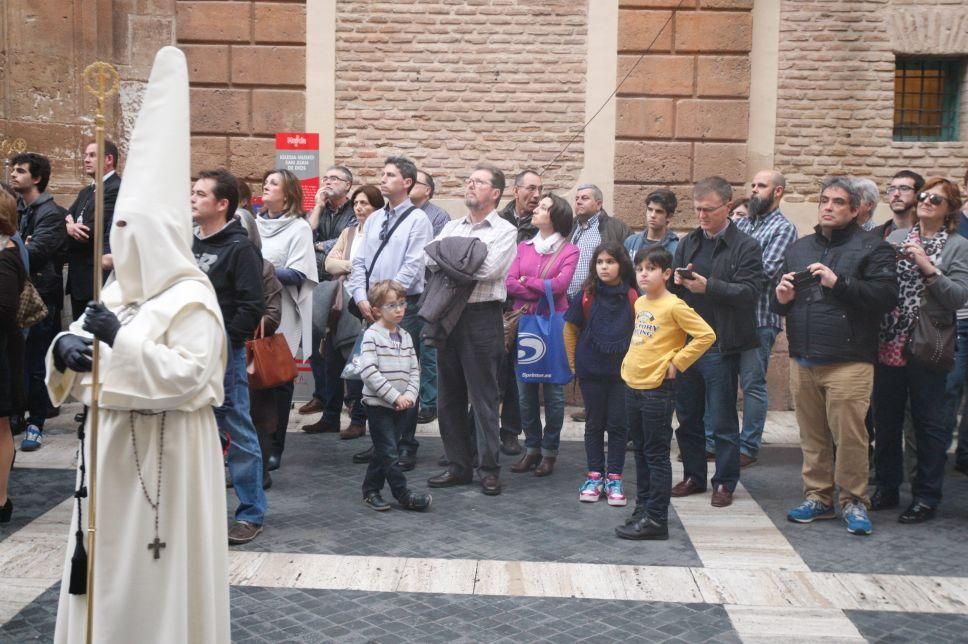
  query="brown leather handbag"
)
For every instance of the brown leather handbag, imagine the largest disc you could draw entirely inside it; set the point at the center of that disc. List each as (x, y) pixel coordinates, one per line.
(31, 308)
(268, 360)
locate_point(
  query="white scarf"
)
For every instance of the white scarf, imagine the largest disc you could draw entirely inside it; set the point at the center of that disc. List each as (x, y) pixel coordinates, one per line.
(545, 245)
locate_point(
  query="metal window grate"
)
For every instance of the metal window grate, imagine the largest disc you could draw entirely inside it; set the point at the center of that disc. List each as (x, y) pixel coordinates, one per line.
(926, 99)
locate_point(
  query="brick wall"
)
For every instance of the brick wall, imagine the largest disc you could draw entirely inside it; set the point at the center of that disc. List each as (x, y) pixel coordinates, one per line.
(247, 67)
(836, 88)
(683, 113)
(44, 48)
(451, 83)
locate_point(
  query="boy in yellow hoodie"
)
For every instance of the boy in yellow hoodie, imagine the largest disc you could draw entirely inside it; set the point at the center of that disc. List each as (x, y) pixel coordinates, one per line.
(668, 337)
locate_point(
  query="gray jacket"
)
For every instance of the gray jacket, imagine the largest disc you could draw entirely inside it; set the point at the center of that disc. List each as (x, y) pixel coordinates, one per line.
(448, 288)
(949, 291)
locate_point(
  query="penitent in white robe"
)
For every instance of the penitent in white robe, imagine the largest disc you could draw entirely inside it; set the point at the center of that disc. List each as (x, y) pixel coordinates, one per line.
(169, 357)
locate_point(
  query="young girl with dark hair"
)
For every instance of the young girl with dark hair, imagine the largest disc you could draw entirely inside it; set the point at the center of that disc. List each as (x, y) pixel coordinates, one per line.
(598, 327)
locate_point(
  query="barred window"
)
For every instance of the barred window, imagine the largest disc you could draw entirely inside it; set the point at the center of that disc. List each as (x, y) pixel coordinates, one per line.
(926, 99)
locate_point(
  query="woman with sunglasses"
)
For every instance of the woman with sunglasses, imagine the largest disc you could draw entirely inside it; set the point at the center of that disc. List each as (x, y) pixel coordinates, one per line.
(932, 276)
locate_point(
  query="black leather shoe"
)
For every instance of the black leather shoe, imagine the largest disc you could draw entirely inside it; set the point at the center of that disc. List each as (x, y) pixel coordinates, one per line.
(491, 485)
(266, 481)
(643, 529)
(407, 461)
(448, 479)
(884, 500)
(374, 501)
(510, 444)
(426, 415)
(275, 460)
(917, 512)
(637, 514)
(364, 456)
(415, 501)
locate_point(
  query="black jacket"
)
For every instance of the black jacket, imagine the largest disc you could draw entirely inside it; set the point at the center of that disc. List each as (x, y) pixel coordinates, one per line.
(526, 230)
(234, 266)
(609, 228)
(43, 223)
(733, 287)
(80, 254)
(331, 224)
(841, 325)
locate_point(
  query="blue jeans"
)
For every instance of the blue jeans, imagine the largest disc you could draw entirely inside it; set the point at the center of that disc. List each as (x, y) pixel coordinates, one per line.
(334, 389)
(953, 400)
(245, 455)
(709, 385)
(605, 411)
(926, 389)
(535, 440)
(413, 325)
(386, 427)
(428, 375)
(753, 365)
(650, 427)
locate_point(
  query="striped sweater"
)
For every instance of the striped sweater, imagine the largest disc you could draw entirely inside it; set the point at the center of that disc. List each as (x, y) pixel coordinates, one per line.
(388, 368)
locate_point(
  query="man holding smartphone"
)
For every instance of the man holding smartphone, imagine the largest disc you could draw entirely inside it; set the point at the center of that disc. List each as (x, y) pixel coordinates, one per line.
(719, 273)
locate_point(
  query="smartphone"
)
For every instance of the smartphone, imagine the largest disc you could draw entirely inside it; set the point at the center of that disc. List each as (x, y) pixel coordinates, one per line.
(686, 274)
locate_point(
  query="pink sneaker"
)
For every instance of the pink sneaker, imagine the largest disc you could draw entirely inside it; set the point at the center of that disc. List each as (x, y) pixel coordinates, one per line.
(592, 489)
(614, 492)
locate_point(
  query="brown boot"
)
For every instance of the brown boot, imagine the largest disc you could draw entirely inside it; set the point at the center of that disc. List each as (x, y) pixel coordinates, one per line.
(526, 464)
(546, 466)
(352, 431)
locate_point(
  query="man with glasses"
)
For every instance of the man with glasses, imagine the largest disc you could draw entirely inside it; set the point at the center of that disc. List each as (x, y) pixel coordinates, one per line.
(902, 195)
(719, 273)
(392, 248)
(468, 363)
(527, 193)
(332, 213)
(421, 195)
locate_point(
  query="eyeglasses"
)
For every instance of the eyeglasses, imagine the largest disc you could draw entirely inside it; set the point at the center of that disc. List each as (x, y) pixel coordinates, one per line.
(333, 177)
(480, 183)
(933, 199)
(394, 306)
(707, 210)
(421, 183)
(903, 189)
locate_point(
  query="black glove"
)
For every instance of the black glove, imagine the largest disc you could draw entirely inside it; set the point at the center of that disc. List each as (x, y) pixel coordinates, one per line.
(100, 322)
(73, 352)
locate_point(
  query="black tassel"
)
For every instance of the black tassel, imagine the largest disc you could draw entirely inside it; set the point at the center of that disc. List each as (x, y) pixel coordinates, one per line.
(78, 583)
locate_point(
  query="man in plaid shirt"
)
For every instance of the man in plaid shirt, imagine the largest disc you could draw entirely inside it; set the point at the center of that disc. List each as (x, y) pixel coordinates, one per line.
(774, 232)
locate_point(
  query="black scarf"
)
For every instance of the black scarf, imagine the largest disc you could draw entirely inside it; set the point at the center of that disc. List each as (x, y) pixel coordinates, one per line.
(609, 321)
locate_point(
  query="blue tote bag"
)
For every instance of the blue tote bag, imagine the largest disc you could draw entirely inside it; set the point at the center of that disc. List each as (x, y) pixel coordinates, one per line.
(541, 344)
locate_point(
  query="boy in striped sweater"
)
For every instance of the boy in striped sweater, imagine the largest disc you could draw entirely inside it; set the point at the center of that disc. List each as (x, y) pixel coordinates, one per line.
(391, 380)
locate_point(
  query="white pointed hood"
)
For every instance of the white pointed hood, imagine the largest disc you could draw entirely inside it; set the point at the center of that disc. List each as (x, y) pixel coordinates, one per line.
(151, 239)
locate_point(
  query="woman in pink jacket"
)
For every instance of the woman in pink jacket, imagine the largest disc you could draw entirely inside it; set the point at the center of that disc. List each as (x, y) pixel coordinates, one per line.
(548, 256)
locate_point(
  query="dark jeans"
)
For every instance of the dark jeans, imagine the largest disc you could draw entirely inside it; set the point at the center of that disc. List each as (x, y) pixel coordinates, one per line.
(413, 325)
(386, 427)
(953, 399)
(650, 427)
(926, 388)
(710, 384)
(35, 367)
(334, 388)
(467, 369)
(318, 363)
(605, 411)
(282, 396)
(510, 400)
(538, 440)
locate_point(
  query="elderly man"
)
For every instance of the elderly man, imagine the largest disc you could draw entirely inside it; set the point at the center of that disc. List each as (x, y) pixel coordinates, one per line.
(469, 361)
(870, 196)
(527, 194)
(592, 227)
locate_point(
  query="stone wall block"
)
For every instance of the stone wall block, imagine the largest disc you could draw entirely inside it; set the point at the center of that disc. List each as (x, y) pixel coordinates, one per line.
(279, 22)
(650, 118)
(208, 153)
(728, 160)
(218, 110)
(712, 119)
(657, 75)
(213, 21)
(278, 110)
(637, 30)
(652, 162)
(723, 76)
(249, 158)
(207, 63)
(703, 31)
(268, 65)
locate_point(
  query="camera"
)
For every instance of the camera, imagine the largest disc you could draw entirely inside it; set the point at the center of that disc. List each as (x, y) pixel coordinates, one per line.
(804, 279)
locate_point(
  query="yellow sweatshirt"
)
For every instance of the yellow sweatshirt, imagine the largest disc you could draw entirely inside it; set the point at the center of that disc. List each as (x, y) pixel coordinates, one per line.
(659, 337)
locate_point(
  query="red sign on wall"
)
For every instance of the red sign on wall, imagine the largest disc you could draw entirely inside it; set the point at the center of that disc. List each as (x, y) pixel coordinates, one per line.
(298, 152)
